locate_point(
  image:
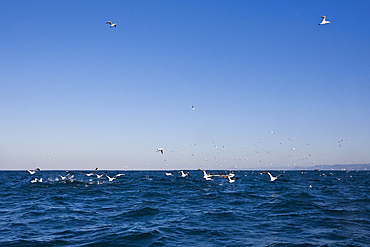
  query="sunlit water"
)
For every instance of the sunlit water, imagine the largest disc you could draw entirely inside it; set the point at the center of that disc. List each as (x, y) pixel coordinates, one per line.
(148, 208)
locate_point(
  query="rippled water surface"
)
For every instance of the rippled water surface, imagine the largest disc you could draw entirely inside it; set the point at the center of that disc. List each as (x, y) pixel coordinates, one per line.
(148, 208)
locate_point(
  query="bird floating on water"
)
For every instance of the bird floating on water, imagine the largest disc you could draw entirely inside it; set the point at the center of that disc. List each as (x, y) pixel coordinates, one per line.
(32, 172)
(168, 174)
(272, 178)
(160, 150)
(111, 24)
(324, 21)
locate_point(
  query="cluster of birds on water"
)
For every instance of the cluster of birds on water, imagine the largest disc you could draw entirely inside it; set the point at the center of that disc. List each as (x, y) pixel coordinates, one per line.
(207, 176)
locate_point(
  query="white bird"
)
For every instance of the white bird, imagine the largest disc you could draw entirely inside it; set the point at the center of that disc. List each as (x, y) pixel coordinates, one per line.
(32, 172)
(101, 175)
(272, 178)
(115, 177)
(160, 150)
(48, 158)
(231, 180)
(111, 24)
(91, 173)
(205, 175)
(63, 177)
(168, 174)
(184, 174)
(324, 21)
(192, 107)
(119, 174)
(36, 180)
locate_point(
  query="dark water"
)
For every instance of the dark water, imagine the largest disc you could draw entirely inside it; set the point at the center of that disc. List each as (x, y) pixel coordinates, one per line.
(151, 209)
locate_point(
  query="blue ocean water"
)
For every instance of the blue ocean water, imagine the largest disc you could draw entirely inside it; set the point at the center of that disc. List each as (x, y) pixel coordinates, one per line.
(148, 208)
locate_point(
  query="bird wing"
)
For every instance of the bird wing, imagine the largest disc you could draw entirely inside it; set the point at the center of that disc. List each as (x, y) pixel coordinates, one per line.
(323, 17)
(109, 22)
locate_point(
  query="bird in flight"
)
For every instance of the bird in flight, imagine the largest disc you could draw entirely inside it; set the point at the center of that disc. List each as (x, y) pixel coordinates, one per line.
(111, 24)
(32, 172)
(160, 150)
(324, 21)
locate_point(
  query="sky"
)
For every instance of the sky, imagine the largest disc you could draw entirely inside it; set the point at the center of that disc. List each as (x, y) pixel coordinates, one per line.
(270, 87)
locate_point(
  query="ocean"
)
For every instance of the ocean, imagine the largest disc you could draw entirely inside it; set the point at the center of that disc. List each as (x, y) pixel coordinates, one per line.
(149, 208)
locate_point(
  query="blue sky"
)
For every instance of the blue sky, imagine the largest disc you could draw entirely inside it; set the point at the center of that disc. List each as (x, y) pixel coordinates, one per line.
(86, 95)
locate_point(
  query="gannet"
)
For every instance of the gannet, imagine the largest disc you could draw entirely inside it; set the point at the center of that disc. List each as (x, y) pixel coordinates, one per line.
(32, 172)
(272, 177)
(111, 24)
(160, 150)
(230, 180)
(115, 176)
(184, 174)
(205, 175)
(63, 177)
(168, 174)
(192, 107)
(99, 176)
(36, 180)
(324, 21)
(91, 173)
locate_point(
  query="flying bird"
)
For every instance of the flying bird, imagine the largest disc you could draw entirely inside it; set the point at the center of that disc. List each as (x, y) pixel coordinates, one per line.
(36, 180)
(32, 172)
(192, 107)
(160, 150)
(205, 175)
(272, 178)
(111, 24)
(63, 177)
(184, 174)
(101, 175)
(114, 178)
(324, 21)
(91, 173)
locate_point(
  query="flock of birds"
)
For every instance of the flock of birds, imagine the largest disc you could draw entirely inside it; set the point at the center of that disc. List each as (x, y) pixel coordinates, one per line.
(207, 176)
(70, 176)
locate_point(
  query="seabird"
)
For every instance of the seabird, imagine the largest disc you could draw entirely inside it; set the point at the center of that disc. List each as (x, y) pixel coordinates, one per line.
(91, 173)
(272, 177)
(160, 150)
(36, 180)
(231, 180)
(184, 174)
(32, 172)
(205, 175)
(99, 176)
(111, 24)
(63, 177)
(115, 176)
(168, 174)
(192, 107)
(324, 21)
